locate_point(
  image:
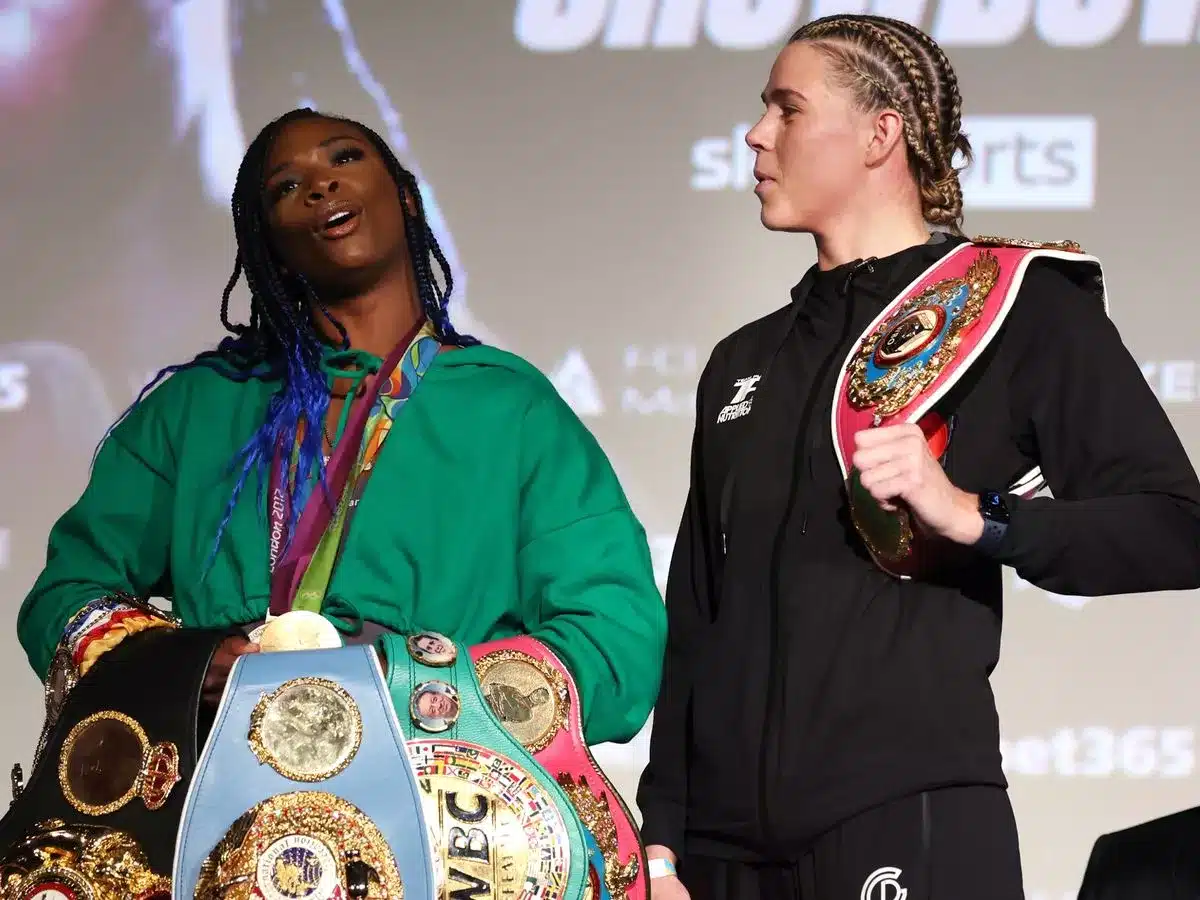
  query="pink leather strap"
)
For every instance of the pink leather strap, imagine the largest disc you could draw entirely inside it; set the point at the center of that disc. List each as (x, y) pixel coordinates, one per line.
(534, 696)
(910, 357)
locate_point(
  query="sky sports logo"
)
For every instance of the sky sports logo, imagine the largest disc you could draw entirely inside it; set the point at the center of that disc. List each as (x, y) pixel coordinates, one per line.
(565, 26)
(1021, 162)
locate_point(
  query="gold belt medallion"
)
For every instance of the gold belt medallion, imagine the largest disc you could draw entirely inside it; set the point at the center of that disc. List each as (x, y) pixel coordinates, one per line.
(528, 696)
(107, 760)
(498, 832)
(306, 845)
(906, 352)
(307, 729)
(79, 862)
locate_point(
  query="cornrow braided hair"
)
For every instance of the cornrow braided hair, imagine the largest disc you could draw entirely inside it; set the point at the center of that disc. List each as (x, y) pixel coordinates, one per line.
(890, 63)
(279, 340)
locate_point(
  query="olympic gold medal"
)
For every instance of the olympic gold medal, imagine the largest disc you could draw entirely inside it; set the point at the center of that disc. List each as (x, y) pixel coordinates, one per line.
(299, 629)
(307, 729)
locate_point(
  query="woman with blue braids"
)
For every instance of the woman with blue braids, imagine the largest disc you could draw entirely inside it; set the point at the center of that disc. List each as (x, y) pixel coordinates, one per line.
(461, 494)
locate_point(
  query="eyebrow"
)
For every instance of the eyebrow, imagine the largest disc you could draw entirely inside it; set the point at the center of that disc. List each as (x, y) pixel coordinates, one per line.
(325, 143)
(780, 94)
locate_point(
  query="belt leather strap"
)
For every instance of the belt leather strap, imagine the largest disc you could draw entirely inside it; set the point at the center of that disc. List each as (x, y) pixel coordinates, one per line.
(127, 734)
(305, 767)
(502, 825)
(916, 351)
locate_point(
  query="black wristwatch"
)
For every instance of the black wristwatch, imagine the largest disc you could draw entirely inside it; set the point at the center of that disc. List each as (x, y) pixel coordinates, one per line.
(994, 508)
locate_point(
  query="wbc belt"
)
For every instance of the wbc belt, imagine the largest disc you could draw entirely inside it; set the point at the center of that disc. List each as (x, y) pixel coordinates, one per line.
(304, 789)
(534, 696)
(915, 351)
(97, 819)
(503, 827)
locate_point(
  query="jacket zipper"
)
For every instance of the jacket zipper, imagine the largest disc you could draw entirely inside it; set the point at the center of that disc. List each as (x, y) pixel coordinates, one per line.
(801, 462)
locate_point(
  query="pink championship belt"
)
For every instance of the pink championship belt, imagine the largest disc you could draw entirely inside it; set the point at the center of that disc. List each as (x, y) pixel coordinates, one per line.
(913, 353)
(533, 695)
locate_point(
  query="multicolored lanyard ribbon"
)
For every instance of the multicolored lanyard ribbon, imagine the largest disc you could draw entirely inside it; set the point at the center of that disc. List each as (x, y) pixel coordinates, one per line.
(300, 578)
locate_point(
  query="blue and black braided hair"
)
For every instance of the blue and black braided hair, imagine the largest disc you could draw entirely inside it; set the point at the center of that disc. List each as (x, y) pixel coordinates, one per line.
(280, 340)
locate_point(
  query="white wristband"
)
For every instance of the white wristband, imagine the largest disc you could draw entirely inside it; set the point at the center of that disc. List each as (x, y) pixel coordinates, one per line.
(661, 868)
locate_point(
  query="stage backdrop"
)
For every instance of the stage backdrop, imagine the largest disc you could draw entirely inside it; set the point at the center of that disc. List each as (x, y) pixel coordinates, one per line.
(585, 166)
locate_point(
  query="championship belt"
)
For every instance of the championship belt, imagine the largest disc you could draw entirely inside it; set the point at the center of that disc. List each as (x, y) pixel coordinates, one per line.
(79, 862)
(502, 826)
(914, 352)
(533, 695)
(108, 788)
(304, 789)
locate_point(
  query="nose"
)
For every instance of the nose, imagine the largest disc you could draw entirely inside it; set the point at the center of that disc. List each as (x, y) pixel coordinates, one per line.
(756, 137)
(321, 189)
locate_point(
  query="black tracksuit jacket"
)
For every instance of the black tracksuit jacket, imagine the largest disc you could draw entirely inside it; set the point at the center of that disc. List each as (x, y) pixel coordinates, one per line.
(802, 684)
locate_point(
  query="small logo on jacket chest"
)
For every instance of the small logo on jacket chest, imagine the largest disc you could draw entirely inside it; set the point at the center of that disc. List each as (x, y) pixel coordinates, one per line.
(742, 400)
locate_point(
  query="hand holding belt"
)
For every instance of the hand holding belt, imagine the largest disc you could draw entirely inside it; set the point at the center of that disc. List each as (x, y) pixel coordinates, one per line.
(533, 694)
(912, 355)
(502, 824)
(123, 743)
(304, 788)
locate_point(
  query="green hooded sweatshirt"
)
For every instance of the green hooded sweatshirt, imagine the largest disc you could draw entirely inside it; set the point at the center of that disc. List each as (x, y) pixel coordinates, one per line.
(491, 512)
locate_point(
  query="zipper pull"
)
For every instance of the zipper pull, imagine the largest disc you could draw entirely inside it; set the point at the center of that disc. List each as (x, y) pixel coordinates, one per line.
(868, 264)
(724, 544)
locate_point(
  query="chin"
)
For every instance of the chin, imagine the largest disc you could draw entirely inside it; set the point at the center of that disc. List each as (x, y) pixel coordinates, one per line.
(774, 219)
(351, 261)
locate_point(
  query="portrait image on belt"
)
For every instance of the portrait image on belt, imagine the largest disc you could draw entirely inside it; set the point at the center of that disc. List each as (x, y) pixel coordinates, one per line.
(512, 706)
(527, 695)
(432, 649)
(434, 706)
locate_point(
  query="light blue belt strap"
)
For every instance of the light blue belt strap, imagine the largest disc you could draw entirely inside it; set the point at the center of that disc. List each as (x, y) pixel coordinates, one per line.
(378, 779)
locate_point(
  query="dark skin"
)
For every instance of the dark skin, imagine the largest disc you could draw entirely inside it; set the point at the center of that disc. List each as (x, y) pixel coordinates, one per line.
(360, 269)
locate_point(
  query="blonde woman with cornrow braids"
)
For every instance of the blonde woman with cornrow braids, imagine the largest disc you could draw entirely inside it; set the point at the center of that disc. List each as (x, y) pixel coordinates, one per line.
(864, 463)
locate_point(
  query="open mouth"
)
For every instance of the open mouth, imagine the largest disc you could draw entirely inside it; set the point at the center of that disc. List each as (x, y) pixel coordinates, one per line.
(339, 223)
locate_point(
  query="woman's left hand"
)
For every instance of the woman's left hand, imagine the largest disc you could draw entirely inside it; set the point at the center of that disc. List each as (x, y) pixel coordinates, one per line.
(897, 467)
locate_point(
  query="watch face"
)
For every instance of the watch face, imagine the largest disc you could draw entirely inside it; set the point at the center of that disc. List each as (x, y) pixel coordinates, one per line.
(993, 506)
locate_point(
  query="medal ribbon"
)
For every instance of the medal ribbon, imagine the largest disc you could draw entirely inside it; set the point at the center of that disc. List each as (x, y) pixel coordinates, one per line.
(300, 579)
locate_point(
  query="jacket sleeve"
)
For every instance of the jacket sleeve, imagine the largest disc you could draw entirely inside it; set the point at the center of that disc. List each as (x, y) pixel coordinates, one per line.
(113, 540)
(1097, 876)
(586, 578)
(662, 792)
(1125, 515)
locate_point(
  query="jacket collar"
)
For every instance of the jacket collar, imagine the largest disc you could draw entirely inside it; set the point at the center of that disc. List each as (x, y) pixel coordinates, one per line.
(876, 275)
